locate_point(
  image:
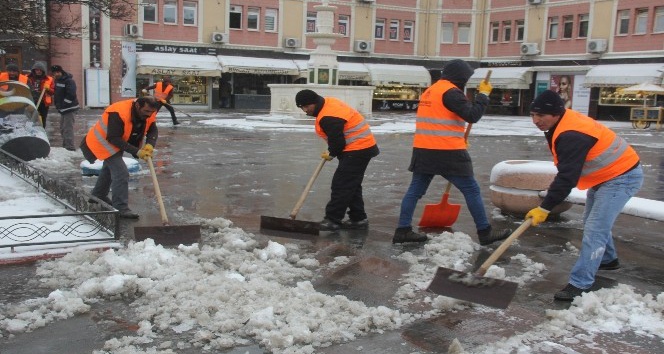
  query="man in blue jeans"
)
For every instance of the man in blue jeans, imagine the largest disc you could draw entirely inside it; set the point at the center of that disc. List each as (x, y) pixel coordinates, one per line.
(439, 148)
(589, 156)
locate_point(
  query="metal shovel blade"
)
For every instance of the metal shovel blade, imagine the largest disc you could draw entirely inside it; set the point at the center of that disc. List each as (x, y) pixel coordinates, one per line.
(290, 225)
(473, 288)
(169, 235)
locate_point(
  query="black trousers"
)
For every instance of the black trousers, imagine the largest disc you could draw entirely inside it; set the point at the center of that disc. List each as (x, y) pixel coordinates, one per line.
(347, 189)
(43, 112)
(171, 110)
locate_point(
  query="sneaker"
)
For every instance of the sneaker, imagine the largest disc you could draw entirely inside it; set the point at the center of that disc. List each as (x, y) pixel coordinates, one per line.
(128, 214)
(355, 225)
(329, 225)
(406, 234)
(613, 265)
(569, 293)
(489, 236)
(104, 199)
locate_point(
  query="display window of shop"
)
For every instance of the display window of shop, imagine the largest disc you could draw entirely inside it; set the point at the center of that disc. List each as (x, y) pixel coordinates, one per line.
(613, 96)
(187, 90)
(504, 101)
(252, 84)
(398, 92)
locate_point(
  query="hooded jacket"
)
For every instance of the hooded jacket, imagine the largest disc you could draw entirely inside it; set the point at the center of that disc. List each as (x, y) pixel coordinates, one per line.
(65, 93)
(37, 83)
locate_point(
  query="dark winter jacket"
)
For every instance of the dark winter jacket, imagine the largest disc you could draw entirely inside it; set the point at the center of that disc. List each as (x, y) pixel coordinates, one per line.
(65, 94)
(452, 162)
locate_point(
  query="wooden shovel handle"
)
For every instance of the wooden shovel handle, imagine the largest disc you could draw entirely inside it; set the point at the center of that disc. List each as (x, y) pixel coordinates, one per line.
(501, 249)
(157, 191)
(307, 188)
(487, 77)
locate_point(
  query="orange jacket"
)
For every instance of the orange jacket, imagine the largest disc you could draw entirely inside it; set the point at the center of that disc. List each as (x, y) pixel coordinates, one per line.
(356, 130)
(610, 157)
(4, 76)
(436, 127)
(96, 137)
(162, 93)
(49, 83)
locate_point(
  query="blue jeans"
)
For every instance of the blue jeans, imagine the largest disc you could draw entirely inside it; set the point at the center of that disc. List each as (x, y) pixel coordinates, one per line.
(466, 184)
(603, 205)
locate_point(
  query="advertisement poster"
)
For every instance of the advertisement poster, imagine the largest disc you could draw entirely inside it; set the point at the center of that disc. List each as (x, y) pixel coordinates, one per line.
(128, 69)
(563, 85)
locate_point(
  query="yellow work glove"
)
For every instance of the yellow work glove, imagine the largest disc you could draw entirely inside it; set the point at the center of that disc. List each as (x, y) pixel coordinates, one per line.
(326, 155)
(144, 91)
(538, 215)
(485, 88)
(145, 152)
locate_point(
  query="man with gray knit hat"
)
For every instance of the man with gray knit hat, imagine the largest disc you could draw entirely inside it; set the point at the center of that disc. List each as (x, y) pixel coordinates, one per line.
(589, 156)
(67, 104)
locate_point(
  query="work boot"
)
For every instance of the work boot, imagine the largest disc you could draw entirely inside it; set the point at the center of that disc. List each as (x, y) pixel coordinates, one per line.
(569, 293)
(175, 122)
(406, 234)
(489, 236)
(128, 214)
(613, 265)
(104, 199)
(355, 225)
(329, 225)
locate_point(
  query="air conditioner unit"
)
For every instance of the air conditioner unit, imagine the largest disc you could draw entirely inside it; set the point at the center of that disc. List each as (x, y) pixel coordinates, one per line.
(218, 37)
(362, 46)
(132, 30)
(529, 49)
(292, 43)
(597, 45)
(535, 2)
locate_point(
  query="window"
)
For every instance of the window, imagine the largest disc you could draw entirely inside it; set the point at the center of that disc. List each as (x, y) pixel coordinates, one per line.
(189, 14)
(271, 20)
(520, 30)
(463, 33)
(253, 14)
(623, 22)
(394, 30)
(408, 31)
(641, 23)
(568, 26)
(553, 27)
(342, 25)
(150, 11)
(171, 12)
(495, 31)
(235, 17)
(379, 32)
(659, 20)
(311, 22)
(447, 32)
(507, 31)
(583, 25)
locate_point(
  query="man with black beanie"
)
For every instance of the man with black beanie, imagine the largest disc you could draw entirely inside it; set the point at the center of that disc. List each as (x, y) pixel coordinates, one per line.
(66, 103)
(588, 155)
(350, 140)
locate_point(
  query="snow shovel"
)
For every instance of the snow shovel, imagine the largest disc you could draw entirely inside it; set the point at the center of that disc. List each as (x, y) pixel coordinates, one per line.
(167, 235)
(290, 224)
(475, 287)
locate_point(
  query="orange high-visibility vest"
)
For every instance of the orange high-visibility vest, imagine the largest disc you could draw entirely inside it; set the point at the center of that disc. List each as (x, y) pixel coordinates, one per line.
(160, 92)
(436, 127)
(610, 157)
(50, 84)
(4, 76)
(356, 130)
(96, 137)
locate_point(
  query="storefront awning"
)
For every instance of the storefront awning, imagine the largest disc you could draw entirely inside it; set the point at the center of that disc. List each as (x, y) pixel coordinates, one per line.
(177, 64)
(388, 74)
(517, 78)
(258, 66)
(616, 75)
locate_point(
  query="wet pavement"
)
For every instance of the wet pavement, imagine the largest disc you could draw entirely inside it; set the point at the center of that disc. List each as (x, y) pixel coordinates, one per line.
(211, 172)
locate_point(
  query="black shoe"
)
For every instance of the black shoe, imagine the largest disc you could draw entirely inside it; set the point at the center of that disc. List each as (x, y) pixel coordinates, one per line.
(104, 199)
(489, 236)
(569, 293)
(355, 225)
(128, 214)
(406, 234)
(176, 123)
(329, 225)
(613, 265)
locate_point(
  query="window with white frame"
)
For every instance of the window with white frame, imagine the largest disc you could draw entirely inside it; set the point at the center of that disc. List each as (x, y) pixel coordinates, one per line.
(623, 22)
(495, 32)
(568, 27)
(447, 32)
(171, 12)
(463, 32)
(641, 22)
(311, 22)
(583, 25)
(379, 29)
(253, 18)
(553, 27)
(271, 16)
(520, 30)
(150, 11)
(658, 26)
(394, 30)
(507, 31)
(408, 27)
(189, 13)
(235, 17)
(342, 25)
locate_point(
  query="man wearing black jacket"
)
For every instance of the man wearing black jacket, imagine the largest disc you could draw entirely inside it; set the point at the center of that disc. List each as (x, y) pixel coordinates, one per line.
(67, 104)
(350, 140)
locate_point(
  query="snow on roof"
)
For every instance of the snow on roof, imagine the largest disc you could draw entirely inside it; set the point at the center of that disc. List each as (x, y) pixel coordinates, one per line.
(624, 75)
(388, 74)
(511, 77)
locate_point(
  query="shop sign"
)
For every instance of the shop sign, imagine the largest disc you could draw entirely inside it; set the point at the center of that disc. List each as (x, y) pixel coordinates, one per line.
(175, 49)
(395, 105)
